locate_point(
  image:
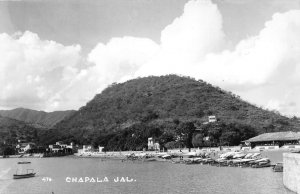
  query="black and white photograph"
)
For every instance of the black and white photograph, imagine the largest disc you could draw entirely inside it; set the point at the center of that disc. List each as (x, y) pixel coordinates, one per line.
(149, 96)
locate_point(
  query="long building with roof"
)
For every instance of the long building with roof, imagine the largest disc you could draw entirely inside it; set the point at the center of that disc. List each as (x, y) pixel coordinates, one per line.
(287, 139)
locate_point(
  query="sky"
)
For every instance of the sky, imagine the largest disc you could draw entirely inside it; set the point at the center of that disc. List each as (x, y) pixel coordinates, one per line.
(57, 55)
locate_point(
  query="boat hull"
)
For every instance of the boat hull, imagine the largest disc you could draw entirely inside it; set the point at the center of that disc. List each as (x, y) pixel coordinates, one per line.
(24, 162)
(22, 176)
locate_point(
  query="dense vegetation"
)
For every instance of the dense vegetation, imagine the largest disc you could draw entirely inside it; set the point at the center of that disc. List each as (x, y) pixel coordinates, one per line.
(172, 109)
(124, 115)
(13, 130)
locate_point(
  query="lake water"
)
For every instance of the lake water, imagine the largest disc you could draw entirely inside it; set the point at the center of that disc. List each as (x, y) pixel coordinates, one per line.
(150, 177)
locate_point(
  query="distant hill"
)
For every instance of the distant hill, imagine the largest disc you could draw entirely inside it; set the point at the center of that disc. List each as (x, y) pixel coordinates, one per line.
(163, 99)
(37, 118)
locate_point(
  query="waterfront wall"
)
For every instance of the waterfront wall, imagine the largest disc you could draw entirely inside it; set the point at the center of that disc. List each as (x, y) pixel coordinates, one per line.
(291, 171)
(266, 147)
(291, 146)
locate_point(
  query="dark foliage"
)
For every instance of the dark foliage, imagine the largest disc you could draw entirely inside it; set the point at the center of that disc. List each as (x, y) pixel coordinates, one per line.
(127, 108)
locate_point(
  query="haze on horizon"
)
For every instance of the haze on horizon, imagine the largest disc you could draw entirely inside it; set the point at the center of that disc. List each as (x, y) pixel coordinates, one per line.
(56, 55)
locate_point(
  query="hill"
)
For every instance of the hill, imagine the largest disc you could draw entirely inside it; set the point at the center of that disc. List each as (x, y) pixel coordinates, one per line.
(40, 119)
(12, 130)
(164, 102)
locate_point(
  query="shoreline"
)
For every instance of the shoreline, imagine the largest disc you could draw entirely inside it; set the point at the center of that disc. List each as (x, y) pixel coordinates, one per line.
(123, 154)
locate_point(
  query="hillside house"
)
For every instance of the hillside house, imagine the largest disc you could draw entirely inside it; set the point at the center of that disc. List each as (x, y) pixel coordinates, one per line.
(212, 119)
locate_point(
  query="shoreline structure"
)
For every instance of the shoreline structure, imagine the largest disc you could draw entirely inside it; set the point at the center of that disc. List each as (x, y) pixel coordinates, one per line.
(211, 152)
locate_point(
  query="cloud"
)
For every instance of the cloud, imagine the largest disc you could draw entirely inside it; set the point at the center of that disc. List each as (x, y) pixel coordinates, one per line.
(121, 57)
(187, 40)
(116, 61)
(264, 69)
(259, 59)
(270, 61)
(32, 70)
(194, 44)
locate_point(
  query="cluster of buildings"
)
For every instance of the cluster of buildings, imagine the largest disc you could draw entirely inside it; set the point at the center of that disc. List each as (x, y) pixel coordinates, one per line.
(30, 147)
(266, 141)
(58, 147)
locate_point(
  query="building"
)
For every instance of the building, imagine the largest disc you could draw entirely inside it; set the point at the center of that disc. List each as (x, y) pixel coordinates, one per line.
(61, 147)
(287, 139)
(88, 149)
(152, 145)
(212, 119)
(156, 146)
(100, 148)
(24, 147)
(55, 148)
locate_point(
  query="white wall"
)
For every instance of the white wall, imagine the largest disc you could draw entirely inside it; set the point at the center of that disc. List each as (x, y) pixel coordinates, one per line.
(291, 171)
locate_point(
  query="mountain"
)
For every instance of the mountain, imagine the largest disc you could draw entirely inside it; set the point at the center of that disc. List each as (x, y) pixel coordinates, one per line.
(38, 118)
(12, 130)
(162, 100)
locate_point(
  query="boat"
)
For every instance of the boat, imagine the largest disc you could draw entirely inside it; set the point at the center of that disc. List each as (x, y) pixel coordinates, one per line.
(23, 173)
(278, 167)
(21, 176)
(166, 156)
(24, 162)
(261, 165)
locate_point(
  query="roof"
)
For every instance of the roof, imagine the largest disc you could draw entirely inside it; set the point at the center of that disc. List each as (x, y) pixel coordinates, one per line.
(276, 136)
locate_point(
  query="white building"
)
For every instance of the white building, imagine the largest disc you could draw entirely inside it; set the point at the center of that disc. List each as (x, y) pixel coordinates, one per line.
(156, 146)
(24, 147)
(100, 148)
(212, 119)
(55, 148)
(59, 146)
(152, 145)
(87, 148)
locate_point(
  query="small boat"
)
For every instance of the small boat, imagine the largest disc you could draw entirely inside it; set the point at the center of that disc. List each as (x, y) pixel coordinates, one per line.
(278, 167)
(166, 156)
(261, 165)
(21, 176)
(24, 162)
(23, 173)
(150, 160)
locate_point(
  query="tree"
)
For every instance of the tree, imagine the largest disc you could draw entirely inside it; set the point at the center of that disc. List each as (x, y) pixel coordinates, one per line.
(230, 138)
(185, 132)
(167, 136)
(170, 145)
(8, 150)
(197, 140)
